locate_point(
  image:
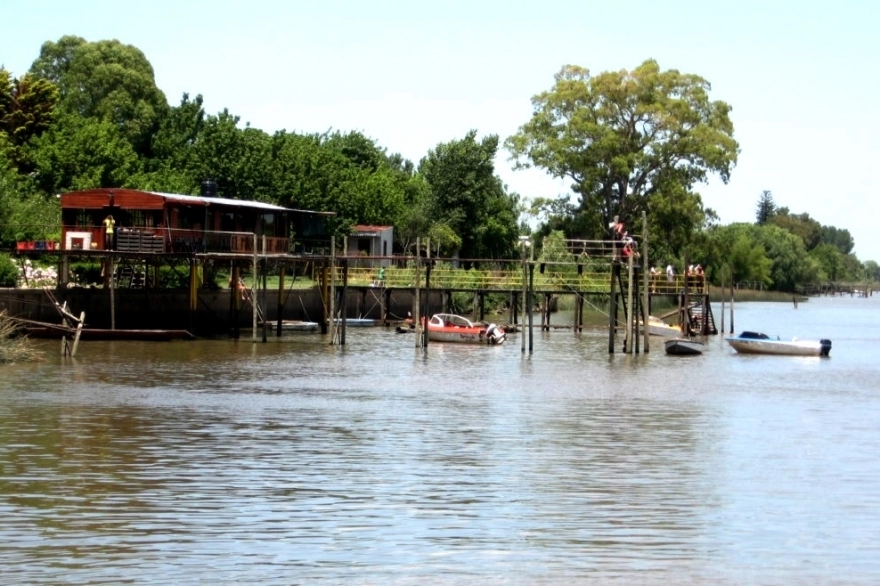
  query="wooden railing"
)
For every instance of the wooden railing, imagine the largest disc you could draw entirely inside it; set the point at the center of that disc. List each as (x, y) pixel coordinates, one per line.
(510, 279)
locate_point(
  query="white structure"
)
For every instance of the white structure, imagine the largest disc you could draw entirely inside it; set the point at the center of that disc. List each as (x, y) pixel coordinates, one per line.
(372, 241)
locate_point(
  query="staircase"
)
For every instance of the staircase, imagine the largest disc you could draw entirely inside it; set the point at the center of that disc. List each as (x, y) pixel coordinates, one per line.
(129, 278)
(697, 319)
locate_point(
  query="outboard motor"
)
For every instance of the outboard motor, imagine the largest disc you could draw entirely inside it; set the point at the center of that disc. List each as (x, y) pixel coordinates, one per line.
(824, 347)
(495, 334)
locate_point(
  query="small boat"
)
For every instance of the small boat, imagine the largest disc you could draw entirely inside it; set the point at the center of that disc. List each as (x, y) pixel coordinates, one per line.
(658, 327)
(758, 343)
(108, 334)
(683, 347)
(294, 325)
(448, 327)
(358, 322)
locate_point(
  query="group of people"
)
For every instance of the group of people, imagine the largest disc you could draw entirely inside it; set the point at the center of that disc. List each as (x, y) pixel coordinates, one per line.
(693, 273)
(624, 244)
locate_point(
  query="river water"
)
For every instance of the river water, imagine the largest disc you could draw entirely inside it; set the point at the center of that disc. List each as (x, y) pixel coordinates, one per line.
(295, 462)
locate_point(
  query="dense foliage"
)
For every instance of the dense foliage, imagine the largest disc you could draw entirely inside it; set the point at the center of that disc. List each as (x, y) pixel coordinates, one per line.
(89, 114)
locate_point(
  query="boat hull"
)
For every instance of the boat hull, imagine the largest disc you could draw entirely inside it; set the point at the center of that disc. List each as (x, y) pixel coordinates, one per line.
(460, 337)
(296, 326)
(767, 345)
(683, 347)
(105, 334)
(456, 329)
(657, 327)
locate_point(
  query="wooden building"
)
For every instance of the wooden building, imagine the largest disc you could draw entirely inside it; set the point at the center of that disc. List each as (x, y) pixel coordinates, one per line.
(146, 221)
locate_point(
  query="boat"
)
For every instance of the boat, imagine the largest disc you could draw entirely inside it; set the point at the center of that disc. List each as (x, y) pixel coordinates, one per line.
(758, 343)
(358, 322)
(52, 332)
(658, 327)
(449, 327)
(294, 325)
(683, 347)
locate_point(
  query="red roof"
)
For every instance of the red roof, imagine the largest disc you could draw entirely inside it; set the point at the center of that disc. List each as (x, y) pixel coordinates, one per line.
(363, 228)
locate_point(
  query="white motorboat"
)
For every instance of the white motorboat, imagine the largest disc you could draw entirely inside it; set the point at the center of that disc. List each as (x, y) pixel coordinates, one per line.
(758, 343)
(658, 327)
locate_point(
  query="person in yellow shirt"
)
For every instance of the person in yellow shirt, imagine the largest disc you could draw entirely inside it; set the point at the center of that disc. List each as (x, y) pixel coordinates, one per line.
(109, 233)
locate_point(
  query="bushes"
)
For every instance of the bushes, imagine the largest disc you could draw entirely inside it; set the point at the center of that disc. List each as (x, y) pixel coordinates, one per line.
(8, 271)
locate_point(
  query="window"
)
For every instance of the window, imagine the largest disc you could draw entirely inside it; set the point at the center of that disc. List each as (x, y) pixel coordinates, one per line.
(84, 219)
(141, 219)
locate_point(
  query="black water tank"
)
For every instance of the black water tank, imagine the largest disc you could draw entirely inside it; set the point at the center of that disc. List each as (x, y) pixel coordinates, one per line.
(209, 188)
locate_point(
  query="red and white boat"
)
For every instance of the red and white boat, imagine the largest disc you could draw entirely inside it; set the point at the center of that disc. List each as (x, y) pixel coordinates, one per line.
(448, 327)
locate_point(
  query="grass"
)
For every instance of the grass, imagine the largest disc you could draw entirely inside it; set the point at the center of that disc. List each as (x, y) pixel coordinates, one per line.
(15, 348)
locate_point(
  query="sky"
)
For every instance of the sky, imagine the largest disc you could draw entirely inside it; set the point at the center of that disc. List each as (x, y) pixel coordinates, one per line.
(801, 77)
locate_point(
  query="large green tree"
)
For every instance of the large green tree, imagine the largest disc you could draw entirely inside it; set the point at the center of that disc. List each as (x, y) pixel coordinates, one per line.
(82, 153)
(625, 138)
(106, 80)
(470, 198)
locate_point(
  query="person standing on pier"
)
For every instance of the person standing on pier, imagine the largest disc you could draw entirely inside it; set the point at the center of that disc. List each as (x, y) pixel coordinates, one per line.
(109, 233)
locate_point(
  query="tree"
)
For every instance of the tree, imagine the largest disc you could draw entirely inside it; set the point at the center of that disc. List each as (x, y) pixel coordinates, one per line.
(27, 106)
(105, 80)
(470, 198)
(624, 138)
(24, 214)
(27, 109)
(766, 208)
(801, 225)
(791, 265)
(82, 153)
(839, 238)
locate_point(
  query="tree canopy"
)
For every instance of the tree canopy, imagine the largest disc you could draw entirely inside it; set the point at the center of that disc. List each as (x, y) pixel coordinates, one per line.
(105, 80)
(470, 198)
(625, 138)
(89, 115)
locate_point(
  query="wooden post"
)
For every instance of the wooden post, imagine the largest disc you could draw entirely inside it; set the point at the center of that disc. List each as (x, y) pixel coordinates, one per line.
(112, 284)
(530, 301)
(646, 270)
(282, 300)
(264, 298)
(427, 301)
(253, 296)
(326, 315)
(683, 313)
(722, 298)
(235, 300)
(636, 311)
(417, 319)
(332, 319)
(627, 341)
(76, 336)
(511, 312)
(343, 304)
(731, 299)
(612, 310)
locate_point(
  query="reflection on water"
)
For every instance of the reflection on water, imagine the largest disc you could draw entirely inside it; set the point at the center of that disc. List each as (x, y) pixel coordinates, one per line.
(228, 462)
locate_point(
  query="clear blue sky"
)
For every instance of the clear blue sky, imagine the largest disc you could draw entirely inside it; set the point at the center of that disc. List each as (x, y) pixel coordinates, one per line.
(801, 76)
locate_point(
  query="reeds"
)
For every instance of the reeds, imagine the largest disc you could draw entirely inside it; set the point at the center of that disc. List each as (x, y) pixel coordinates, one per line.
(15, 347)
